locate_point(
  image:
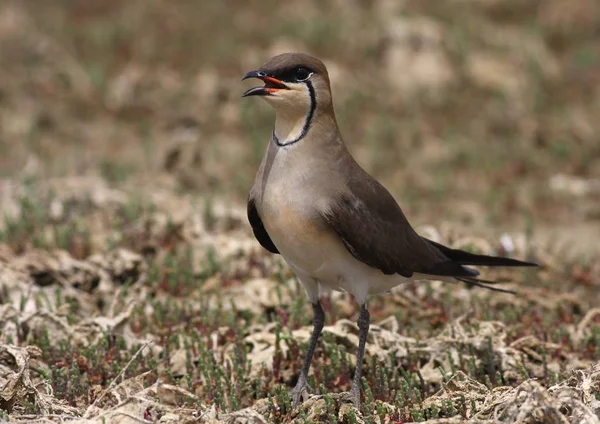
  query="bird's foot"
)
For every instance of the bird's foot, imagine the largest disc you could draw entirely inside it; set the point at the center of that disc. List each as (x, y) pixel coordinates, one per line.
(352, 396)
(300, 393)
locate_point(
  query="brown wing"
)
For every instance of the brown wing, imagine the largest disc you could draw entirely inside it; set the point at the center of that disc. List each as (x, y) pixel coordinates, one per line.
(375, 231)
(259, 229)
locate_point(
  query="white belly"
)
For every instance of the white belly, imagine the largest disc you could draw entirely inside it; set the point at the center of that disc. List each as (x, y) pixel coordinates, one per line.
(341, 271)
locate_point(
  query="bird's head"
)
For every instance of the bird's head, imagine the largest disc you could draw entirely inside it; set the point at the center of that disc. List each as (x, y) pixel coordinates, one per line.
(294, 82)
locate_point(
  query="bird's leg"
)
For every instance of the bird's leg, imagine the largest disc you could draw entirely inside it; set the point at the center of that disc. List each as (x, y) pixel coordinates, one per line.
(318, 321)
(363, 326)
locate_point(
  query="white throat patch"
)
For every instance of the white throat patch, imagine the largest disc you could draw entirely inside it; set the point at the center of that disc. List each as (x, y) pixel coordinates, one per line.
(290, 125)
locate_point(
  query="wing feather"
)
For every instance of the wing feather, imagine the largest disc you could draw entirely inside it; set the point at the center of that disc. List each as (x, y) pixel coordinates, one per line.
(375, 231)
(258, 228)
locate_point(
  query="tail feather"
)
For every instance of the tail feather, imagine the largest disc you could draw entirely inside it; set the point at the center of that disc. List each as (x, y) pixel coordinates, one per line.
(472, 281)
(465, 258)
(458, 259)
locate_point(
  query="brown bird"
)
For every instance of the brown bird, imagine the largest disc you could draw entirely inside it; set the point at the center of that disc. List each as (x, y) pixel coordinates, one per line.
(333, 223)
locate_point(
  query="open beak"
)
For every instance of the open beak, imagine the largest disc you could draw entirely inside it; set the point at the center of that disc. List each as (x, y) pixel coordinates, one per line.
(272, 85)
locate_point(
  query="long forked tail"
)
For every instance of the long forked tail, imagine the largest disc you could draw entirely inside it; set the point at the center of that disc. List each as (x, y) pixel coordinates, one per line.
(461, 257)
(478, 282)
(465, 258)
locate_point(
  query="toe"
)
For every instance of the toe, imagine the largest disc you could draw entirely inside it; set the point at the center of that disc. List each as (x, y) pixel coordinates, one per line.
(353, 396)
(299, 396)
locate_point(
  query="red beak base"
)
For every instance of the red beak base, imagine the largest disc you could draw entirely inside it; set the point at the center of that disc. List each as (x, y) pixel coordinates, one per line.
(272, 85)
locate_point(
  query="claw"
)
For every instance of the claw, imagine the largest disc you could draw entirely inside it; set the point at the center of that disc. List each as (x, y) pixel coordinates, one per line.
(301, 391)
(353, 396)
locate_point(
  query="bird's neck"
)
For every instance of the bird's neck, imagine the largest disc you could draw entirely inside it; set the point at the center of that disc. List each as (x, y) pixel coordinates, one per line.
(289, 125)
(293, 126)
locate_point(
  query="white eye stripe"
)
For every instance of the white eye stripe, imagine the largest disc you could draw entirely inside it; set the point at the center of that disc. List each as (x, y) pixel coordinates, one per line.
(310, 74)
(301, 72)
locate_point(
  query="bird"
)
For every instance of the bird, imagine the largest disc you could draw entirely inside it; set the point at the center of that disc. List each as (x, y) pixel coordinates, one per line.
(334, 224)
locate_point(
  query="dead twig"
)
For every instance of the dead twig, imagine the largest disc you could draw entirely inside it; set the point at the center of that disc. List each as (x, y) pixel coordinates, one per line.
(113, 382)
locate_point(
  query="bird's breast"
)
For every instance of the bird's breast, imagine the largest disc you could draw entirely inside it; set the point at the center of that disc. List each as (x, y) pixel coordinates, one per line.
(294, 225)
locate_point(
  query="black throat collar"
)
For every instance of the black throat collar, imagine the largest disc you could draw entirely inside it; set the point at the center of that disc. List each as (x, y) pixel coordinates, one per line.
(307, 120)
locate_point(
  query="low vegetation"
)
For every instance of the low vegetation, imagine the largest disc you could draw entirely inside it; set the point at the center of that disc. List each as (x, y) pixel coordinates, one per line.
(132, 289)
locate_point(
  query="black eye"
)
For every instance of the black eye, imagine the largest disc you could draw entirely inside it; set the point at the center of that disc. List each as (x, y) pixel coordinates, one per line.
(302, 74)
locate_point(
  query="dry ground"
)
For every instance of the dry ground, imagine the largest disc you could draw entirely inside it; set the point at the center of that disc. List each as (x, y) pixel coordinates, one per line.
(132, 290)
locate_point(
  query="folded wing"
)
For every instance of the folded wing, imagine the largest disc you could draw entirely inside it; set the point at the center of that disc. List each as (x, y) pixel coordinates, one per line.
(376, 232)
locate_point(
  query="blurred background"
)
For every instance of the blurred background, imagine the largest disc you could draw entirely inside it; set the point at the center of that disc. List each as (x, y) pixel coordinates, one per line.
(127, 152)
(481, 111)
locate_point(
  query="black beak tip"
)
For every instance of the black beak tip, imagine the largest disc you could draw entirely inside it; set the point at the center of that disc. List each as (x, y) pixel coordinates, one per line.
(253, 74)
(256, 91)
